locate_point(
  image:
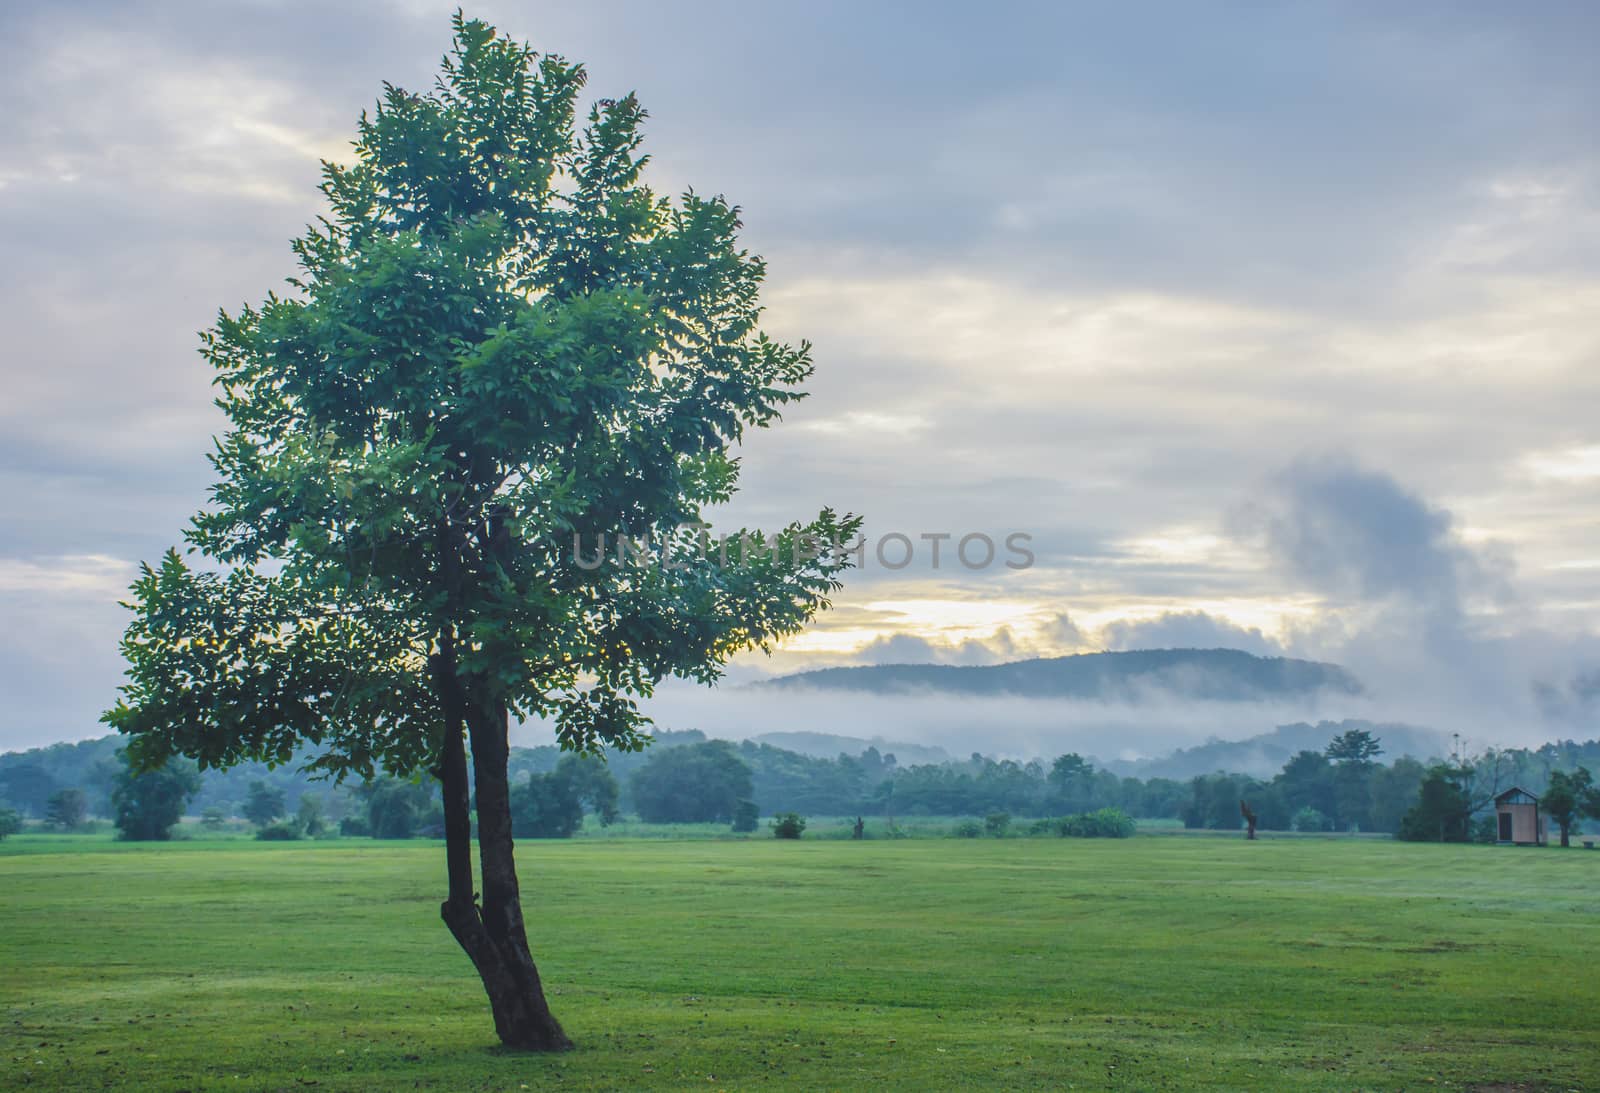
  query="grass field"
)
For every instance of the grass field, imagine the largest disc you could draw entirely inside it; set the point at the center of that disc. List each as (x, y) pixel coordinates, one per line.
(1150, 963)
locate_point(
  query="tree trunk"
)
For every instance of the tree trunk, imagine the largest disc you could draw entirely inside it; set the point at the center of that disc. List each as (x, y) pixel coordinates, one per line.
(1564, 828)
(499, 947)
(492, 936)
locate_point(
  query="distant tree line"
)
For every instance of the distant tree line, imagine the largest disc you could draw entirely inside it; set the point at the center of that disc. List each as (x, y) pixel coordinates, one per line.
(686, 778)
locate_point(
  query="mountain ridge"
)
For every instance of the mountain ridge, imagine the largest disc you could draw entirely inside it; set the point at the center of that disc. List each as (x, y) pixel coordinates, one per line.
(1204, 674)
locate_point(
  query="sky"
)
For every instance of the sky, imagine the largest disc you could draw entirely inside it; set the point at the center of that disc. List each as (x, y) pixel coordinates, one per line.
(1270, 326)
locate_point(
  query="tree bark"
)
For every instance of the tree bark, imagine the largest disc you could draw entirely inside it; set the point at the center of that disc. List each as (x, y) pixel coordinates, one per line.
(492, 935)
(522, 1017)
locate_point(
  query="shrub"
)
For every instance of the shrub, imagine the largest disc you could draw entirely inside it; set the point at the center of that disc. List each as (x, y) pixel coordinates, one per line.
(966, 829)
(1104, 823)
(213, 818)
(354, 825)
(10, 822)
(281, 831)
(996, 823)
(1309, 819)
(746, 816)
(1042, 827)
(788, 825)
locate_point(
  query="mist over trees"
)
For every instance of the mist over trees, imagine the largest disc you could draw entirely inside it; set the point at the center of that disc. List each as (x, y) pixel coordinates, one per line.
(1332, 789)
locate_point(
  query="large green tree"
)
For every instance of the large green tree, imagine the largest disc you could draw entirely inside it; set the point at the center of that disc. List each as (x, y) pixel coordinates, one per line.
(503, 352)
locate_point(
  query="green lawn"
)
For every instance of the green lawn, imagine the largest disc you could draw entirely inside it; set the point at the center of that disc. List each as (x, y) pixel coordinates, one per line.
(1150, 963)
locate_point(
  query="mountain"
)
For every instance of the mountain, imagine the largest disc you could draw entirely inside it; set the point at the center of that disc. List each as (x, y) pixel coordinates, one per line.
(825, 745)
(1265, 754)
(1226, 675)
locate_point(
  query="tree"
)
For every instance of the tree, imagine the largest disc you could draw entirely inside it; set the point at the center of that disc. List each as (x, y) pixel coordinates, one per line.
(394, 808)
(1356, 746)
(1214, 801)
(147, 802)
(1393, 789)
(503, 351)
(10, 822)
(594, 785)
(545, 807)
(551, 806)
(1073, 779)
(264, 804)
(1566, 797)
(27, 787)
(1443, 810)
(66, 809)
(213, 818)
(697, 783)
(1354, 756)
(747, 817)
(308, 815)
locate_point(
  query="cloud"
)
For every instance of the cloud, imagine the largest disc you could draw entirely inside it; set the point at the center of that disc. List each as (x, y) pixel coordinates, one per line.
(1060, 631)
(94, 576)
(1355, 534)
(911, 649)
(1187, 630)
(59, 657)
(1432, 620)
(1096, 296)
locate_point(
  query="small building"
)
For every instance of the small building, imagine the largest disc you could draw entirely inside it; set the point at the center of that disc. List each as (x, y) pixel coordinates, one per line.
(1517, 818)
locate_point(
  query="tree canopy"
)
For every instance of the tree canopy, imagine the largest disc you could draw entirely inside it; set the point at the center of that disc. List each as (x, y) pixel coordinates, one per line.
(1570, 795)
(501, 344)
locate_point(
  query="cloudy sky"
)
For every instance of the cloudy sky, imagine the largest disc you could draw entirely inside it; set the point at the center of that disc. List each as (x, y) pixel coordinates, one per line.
(1273, 326)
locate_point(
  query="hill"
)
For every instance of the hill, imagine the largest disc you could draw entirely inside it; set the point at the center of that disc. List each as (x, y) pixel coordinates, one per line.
(1222, 675)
